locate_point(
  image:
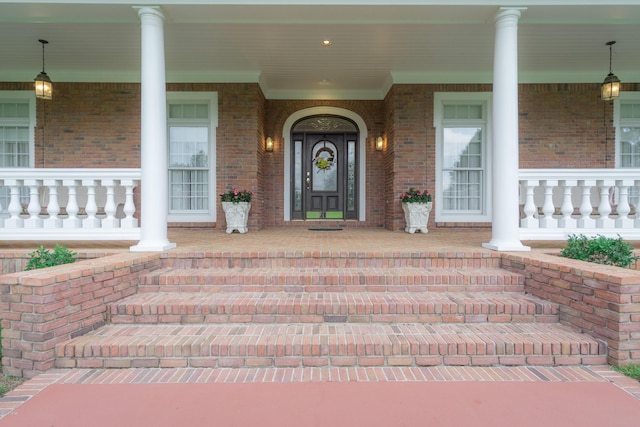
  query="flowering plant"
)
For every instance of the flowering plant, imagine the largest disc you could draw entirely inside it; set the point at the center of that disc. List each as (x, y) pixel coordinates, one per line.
(415, 196)
(236, 196)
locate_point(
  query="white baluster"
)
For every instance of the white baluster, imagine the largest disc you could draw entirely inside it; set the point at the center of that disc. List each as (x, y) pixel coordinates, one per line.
(34, 208)
(623, 220)
(585, 221)
(110, 205)
(92, 207)
(604, 208)
(548, 221)
(14, 208)
(72, 220)
(567, 205)
(129, 206)
(530, 211)
(53, 207)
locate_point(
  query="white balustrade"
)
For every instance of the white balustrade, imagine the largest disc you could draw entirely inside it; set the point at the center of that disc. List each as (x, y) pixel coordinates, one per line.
(559, 202)
(68, 204)
(53, 207)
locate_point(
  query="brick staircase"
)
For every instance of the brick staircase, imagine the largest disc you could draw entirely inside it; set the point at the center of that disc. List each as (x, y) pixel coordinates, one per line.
(330, 309)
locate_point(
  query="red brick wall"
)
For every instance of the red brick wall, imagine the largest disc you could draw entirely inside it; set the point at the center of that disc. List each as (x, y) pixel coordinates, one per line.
(238, 140)
(97, 125)
(563, 126)
(412, 143)
(87, 125)
(601, 300)
(42, 308)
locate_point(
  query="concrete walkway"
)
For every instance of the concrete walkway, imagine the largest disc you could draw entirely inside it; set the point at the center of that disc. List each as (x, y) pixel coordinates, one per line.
(435, 396)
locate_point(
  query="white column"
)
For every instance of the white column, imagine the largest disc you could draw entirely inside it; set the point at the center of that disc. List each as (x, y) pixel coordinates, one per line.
(154, 191)
(506, 214)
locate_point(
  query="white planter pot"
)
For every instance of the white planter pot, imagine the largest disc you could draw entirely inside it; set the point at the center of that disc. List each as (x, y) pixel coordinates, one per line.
(237, 215)
(416, 216)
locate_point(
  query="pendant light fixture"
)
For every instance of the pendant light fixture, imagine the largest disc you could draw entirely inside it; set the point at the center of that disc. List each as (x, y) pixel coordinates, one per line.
(43, 86)
(610, 88)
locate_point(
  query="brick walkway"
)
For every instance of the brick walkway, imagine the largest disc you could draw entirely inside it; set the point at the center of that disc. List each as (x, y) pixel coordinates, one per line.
(81, 396)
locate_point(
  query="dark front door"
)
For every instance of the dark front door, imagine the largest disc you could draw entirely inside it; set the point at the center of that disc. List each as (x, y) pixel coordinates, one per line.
(324, 169)
(324, 174)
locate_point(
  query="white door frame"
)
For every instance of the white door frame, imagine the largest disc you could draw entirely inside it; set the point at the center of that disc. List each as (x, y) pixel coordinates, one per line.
(362, 132)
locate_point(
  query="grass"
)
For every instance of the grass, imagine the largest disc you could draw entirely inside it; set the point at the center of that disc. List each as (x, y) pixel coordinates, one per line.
(632, 371)
(7, 383)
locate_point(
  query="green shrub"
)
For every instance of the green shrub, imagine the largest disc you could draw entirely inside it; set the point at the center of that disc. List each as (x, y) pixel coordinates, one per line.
(43, 258)
(600, 249)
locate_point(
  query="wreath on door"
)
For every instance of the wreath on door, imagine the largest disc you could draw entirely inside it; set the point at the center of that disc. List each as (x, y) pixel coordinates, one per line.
(324, 159)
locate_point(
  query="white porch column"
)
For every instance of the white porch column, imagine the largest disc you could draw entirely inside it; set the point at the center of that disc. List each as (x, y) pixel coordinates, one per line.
(155, 188)
(506, 216)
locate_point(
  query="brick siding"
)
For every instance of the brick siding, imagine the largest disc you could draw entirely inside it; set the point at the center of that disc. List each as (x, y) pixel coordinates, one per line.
(97, 125)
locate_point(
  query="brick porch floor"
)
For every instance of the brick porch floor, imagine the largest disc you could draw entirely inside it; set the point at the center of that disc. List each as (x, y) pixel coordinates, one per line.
(302, 239)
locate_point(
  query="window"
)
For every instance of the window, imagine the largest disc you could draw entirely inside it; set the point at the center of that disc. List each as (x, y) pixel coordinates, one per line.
(192, 119)
(462, 157)
(17, 122)
(627, 124)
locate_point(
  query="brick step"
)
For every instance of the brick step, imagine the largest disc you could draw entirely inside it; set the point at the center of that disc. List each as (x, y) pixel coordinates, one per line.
(339, 307)
(331, 259)
(256, 345)
(315, 279)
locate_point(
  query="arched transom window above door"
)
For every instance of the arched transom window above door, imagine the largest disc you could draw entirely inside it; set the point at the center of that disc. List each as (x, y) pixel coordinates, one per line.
(325, 124)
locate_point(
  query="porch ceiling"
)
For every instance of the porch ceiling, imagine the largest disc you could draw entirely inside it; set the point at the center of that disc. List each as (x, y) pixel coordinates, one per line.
(277, 43)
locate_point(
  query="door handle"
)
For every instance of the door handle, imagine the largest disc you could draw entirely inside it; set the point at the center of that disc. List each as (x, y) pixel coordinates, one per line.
(308, 180)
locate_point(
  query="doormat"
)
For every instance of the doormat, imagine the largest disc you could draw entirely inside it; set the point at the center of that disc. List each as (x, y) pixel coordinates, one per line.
(325, 228)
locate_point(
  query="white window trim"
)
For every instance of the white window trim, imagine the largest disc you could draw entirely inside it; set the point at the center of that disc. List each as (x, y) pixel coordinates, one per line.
(21, 96)
(439, 99)
(624, 96)
(212, 99)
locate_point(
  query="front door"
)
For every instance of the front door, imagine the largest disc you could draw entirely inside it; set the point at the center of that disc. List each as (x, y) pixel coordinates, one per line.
(324, 174)
(324, 171)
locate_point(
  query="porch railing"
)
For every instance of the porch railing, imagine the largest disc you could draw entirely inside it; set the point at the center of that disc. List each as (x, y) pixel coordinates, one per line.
(68, 204)
(558, 202)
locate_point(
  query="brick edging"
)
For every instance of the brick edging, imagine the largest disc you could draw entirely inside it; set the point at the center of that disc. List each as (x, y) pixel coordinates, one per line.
(601, 300)
(42, 308)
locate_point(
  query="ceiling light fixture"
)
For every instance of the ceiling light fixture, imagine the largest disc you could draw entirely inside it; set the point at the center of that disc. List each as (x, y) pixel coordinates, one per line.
(43, 85)
(326, 43)
(610, 88)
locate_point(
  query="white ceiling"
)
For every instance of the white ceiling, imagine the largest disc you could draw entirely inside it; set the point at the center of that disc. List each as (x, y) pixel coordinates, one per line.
(278, 45)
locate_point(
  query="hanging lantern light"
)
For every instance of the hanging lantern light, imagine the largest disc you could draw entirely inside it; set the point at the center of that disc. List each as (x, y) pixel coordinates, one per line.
(610, 88)
(43, 85)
